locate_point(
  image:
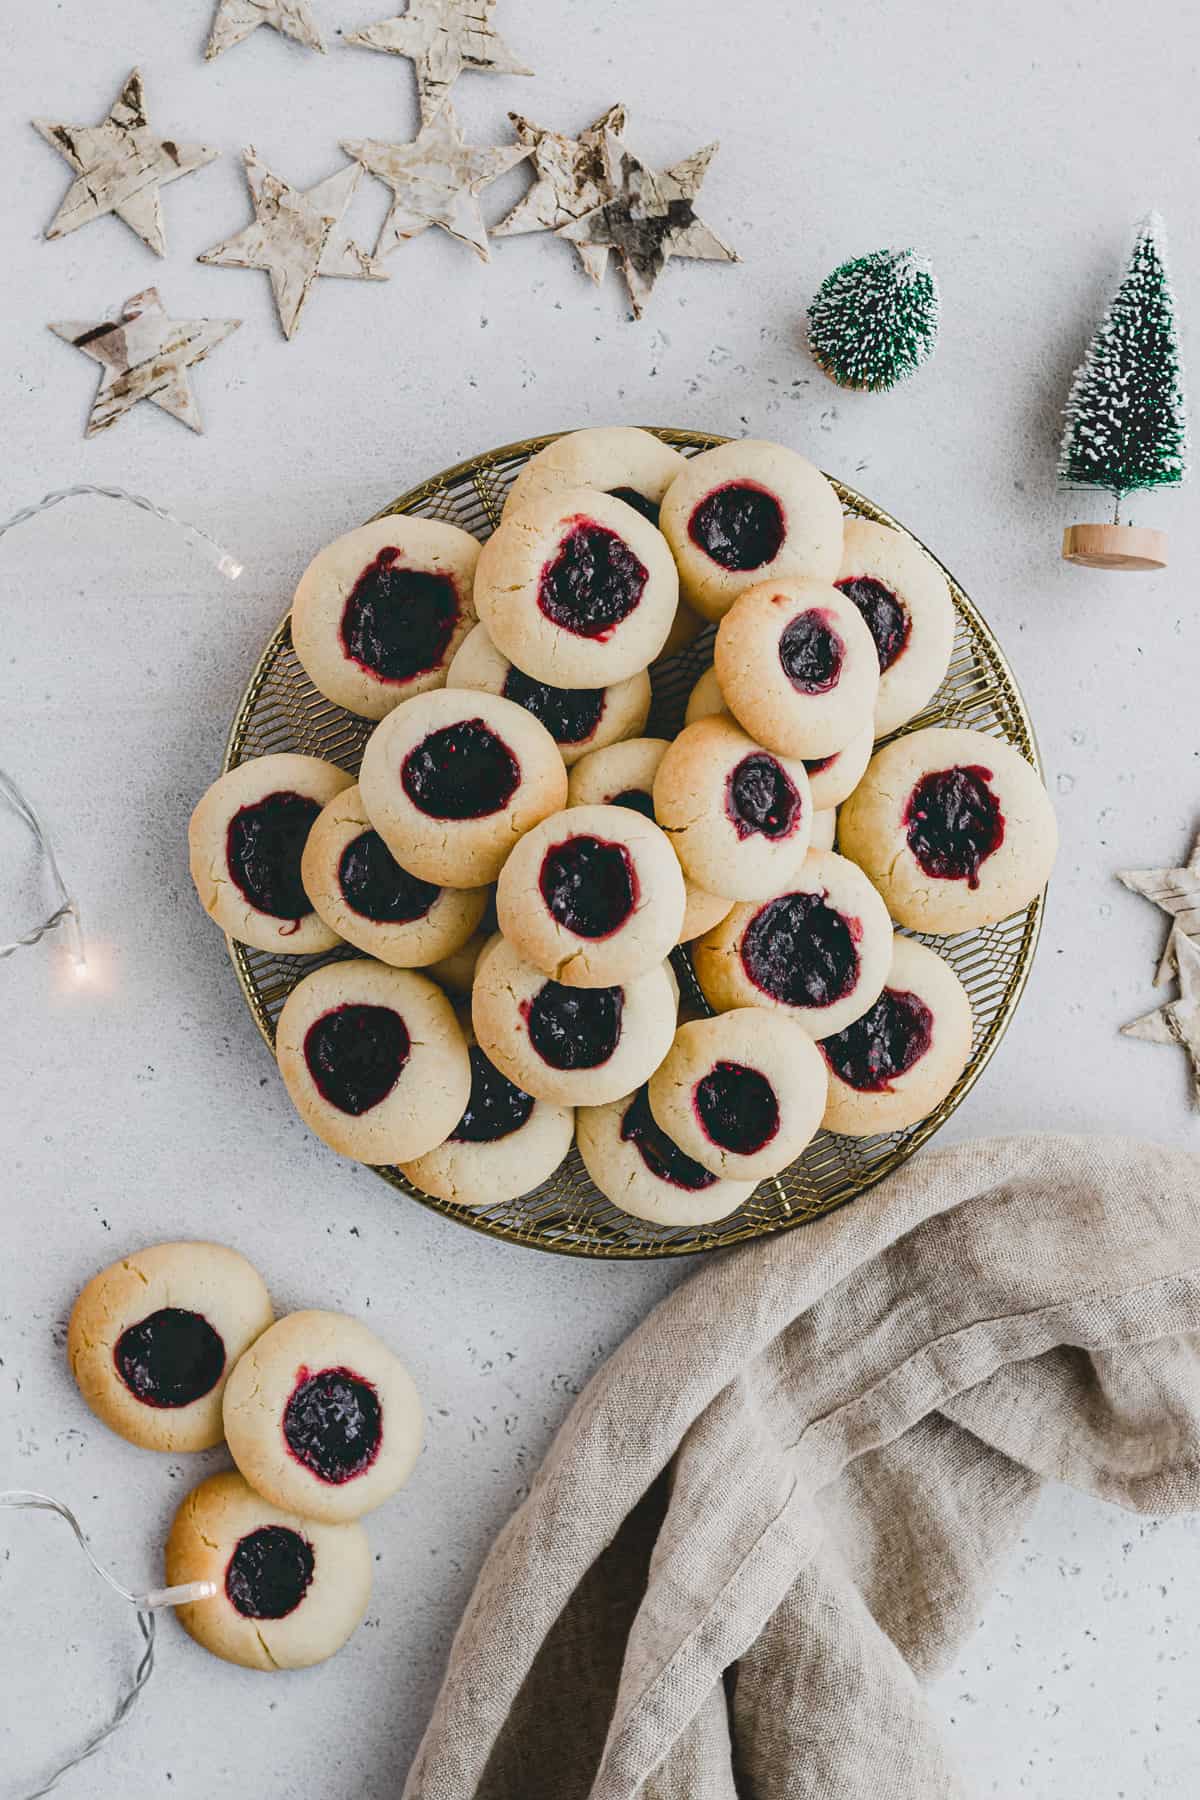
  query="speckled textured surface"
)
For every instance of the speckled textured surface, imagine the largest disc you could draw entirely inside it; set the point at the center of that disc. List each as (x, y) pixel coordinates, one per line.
(147, 1107)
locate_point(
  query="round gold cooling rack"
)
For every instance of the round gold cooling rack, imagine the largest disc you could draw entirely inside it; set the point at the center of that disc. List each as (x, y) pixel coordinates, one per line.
(282, 710)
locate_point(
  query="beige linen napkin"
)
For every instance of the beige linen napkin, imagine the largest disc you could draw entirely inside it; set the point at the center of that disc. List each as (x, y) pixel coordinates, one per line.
(776, 1510)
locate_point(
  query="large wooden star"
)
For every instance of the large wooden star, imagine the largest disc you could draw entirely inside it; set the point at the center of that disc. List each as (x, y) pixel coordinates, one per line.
(121, 165)
(442, 38)
(1179, 1021)
(436, 180)
(145, 356)
(1177, 891)
(234, 20)
(572, 180)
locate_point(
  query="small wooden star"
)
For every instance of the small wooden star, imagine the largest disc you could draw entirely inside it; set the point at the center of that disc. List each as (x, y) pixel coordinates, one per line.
(436, 180)
(1179, 1021)
(1177, 891)
(234, 20)
(121, 166)
(145, 356)
(572, 180)
(442, 38)
(650, 218)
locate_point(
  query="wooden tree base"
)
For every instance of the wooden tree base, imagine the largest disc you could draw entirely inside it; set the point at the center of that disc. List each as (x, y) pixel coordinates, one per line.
(1115, 546)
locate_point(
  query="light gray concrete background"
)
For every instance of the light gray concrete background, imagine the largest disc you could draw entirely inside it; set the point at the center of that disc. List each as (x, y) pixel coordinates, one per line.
(1018, 146)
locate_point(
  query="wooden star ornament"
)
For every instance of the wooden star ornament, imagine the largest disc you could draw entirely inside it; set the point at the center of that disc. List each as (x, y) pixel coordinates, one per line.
(234, 20)
(442, 38)
(436, 180)
(1177, 891)
(145, 355)
(572, 180)
(1179, 1021)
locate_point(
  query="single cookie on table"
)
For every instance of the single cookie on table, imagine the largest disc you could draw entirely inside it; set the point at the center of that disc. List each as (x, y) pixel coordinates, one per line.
(905, 601)
(824, 829)
(570, 1045)
(739, 816)
(705, 700)
(747, 512)
(819, 951)
(506, 1143)
(452, 779)
(246, 839)
(362, 893)
(592, 896)
(380, 612)
(833, 778)
(954, 828)
(621, 460)
(290, 1590)
(577, 590)
(152, 1340)
(898, 1062)
(797, 667)
(322, 1418)
(578, 719)
(373, 1059)
(742, 1093)
(636, 1165)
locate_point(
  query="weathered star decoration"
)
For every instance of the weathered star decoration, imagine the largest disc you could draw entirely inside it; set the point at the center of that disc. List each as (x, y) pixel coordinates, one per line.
(1177, 891)
(436, 180)
(649, 219)
(442, 38)
(1179, 1021)
(572, 180)
(121, 165)
(234, 20)
(145, 355)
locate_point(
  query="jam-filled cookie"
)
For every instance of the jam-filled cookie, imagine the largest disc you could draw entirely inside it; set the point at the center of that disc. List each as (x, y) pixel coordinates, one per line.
(577, 589)
(245, 843)
(290, 1591)
(739, 816)
(380, 612)
(833, 778)
(592, 896)
(452, 779)
(819, 951)
(705, 699)
(153, 1337)
(636, 1165)
(905, 602)
(954, 828)
(742, 1093)
(506, 1143)
(578, 719)
(621, 460)
(749, 512)
(373, 1059)
(898, 1062)
(322, 1418)
(570, 1045)
(797, 667)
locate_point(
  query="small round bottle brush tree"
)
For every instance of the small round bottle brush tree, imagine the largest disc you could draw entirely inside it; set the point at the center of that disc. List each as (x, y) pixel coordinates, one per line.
(874, 320)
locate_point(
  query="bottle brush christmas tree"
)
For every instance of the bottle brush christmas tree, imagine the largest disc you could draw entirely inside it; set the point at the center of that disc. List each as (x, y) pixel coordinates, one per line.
(1126, 417)
(874, 321)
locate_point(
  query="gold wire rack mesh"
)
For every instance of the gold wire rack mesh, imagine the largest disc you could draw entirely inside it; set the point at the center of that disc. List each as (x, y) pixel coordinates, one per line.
(281, 710)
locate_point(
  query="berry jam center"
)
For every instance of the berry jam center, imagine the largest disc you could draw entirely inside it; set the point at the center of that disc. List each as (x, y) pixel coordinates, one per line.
(637, 800)
(574, 1028)
(397, 622)
(884, 1044)
(737, 1107)
(801, 951)
(263, 847)
(886, 617)
(592, 583)
(590, 886)
(812, 652)
(333, 1424)
(355, 1055)
(661, 1155)
(954, 823)
(819, 764)
(639, 502)
(740, 526)
(463, 771)
(170, 1358)
(375, 886)
(269, 1572)
(569, 714)
(497, 1107)
(761, 797)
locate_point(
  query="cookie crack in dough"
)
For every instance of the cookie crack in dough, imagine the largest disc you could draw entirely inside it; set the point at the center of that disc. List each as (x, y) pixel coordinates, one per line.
(266, 1649)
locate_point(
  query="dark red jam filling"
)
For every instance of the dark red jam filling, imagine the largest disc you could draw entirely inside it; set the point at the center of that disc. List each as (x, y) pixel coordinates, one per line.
(463, 771)
(801, 951)
(375, 886)
(569, 714)
(170, 1358)
(737, 1107)
(761, 797)
(397, 622)
(574, 1028)
(355, 1055)
(819, 764)
(263, 847)
(812, 652)
(886, 617)
(954, 823)
(883, 1044)
(333, 1424)
(592, 583)
(637, 800)
(497, 1107)
(269, 1572)
(661, 1155)
(740, 526)
(590, 886)
(639, 502)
